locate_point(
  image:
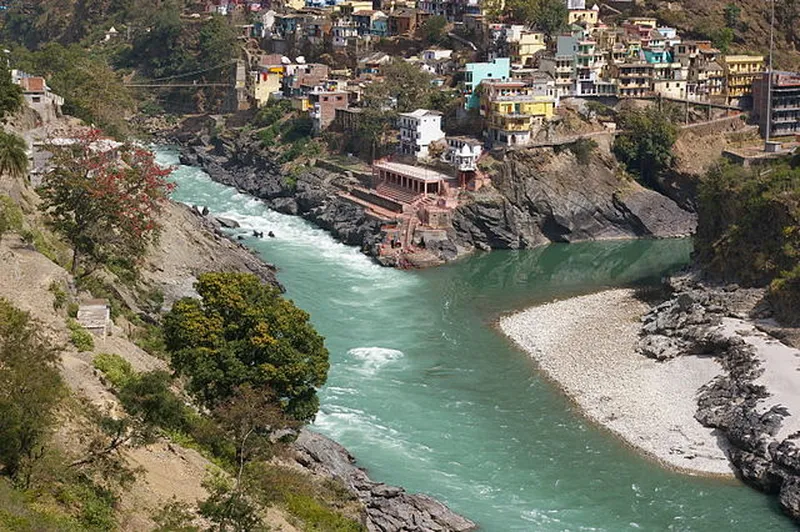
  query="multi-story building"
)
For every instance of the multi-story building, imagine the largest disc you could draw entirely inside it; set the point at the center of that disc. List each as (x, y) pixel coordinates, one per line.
(418, 130)
(475, 73)
(525, 46)
(513, 110)
(323, 107)
(38, 95)
(785, 106)
(588, 17)
(635, 79)
(740, 73)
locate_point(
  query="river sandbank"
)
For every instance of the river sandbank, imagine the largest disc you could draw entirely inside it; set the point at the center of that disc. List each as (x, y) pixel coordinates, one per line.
(588, 345)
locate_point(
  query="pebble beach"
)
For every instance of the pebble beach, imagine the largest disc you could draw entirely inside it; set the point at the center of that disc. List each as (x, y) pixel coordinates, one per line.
(587, 345)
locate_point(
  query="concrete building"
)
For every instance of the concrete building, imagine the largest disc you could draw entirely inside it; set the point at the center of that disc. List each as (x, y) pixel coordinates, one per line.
(475, 73)
(418, 130)
(38, 95)
(323, 107)
(514, 110)
(588, 17)
(785, 103)
(522, 49)
(740, 73)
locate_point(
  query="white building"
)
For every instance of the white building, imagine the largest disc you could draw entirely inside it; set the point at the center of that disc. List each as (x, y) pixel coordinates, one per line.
(576, 4)
(434, 54)
(418, 130)
(463, 153)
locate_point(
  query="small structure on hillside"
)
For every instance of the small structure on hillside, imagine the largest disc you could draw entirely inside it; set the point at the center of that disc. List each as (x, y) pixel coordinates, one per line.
(94, 316)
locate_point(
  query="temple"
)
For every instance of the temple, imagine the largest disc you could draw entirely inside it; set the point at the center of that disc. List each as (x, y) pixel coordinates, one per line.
(410, 179)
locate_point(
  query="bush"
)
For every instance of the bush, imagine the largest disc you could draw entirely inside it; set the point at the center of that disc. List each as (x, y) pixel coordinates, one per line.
(31, 391)
(116, 369)
(80, 337)
(317, 517)
(148, 397)
(583, 149)
(59, 295)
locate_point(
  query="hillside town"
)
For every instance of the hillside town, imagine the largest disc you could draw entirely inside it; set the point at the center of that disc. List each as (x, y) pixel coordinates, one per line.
(512, 86)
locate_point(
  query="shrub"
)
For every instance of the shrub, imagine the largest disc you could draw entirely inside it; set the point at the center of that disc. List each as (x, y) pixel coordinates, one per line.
(583, 149)
(148, 397)
(59, 295)
(116, 369)
(318, 517)
(31, 391)
(80, 337)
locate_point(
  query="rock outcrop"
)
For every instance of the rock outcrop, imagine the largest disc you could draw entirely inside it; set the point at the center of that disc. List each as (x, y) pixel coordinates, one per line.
(711, 321)
(310, 193)
(544, 195)
(540, 195)
(388, 508)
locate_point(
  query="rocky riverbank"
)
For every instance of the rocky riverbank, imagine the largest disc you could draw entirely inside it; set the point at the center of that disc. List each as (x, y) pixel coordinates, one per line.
(588, 346)
(538, 196)
(754, 403)
(388, 508)
(694, 382)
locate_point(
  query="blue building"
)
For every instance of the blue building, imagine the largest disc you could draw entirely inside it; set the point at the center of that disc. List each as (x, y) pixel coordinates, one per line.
(474, 73)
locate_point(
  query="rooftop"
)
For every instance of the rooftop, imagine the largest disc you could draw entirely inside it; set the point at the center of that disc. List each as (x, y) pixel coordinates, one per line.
(419, 173)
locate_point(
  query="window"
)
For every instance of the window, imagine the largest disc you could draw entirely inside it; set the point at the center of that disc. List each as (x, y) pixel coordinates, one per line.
(324, 98)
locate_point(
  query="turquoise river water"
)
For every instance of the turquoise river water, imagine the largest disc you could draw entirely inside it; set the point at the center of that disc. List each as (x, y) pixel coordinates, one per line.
(428, 395)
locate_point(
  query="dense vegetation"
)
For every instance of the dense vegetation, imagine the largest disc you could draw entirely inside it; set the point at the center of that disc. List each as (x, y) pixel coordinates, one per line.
(645, 144)
(243, 332)
(749, 230)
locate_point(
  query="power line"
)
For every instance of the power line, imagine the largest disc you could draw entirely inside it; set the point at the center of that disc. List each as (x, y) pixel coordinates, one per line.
(194, 73)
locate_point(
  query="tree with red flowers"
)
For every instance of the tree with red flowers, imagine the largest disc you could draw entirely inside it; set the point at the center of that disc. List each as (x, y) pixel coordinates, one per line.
(105, 197)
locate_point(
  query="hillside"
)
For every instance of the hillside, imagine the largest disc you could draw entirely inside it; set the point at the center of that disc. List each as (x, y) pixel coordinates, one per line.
(702, 19)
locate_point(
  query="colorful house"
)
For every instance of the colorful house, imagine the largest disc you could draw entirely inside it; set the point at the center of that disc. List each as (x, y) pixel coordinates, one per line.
(475, 73)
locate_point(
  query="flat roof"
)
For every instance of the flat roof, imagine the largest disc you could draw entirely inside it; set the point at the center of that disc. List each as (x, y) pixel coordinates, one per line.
(419, 173)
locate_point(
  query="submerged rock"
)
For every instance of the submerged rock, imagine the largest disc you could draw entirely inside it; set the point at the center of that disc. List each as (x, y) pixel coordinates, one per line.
(227, 223)
(388, 508)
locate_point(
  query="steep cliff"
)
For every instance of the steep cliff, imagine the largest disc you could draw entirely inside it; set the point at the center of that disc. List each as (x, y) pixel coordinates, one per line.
(543, 195)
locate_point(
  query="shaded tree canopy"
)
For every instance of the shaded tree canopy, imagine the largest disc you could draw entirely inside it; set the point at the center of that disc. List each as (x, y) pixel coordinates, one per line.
(242, 332)
(645, 144)
(30, 390)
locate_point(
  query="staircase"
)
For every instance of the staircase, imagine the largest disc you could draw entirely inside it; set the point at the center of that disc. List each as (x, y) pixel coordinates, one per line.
(396, 193)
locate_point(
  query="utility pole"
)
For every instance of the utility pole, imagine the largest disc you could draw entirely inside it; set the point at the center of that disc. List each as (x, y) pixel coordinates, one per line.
(769, 79)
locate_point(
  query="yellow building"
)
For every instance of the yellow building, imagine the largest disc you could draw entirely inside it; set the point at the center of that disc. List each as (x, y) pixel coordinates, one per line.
(740, 73)
(267, 81)
(513, 108)
(645, 22)
(301, 103)
(353, 6)
(523, 50)
(588, 16)
(296, 4)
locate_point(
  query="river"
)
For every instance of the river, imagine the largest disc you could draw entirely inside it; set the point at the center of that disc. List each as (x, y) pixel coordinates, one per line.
(428, 395)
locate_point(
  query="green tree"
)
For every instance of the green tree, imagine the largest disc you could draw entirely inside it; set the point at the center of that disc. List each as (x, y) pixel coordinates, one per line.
(105, 200)
(92, 90)
(433, 30)
(243, 332)
(229, 508)
(645, 144)
(732, 15)
(411, 87)
(13, 155)
(10, 94)
(550, 16)
(216, 42)
(30, 391)
(722, 39)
